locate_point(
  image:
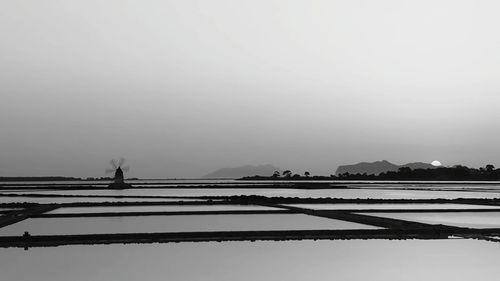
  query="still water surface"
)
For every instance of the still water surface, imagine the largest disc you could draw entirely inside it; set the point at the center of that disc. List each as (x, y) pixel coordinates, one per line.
(360, 260)
(166, 208)
(354, 260)
(54, 226)
(390, 206)
(300, 193)
(462, 219)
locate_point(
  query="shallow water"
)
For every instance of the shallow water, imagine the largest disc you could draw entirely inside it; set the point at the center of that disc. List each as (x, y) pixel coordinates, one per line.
(374, 260)
(353, 260)
(390, 206)
(301, 193)
(54, 226)
(462, 219)
(453, 185)
(46, 200)
(159, 209)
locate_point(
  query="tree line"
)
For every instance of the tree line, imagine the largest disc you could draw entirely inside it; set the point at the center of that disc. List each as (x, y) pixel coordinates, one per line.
(456, 173)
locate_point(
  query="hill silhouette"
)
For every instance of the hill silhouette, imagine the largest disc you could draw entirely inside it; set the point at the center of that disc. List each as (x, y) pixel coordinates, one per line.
(244, 171)
(455, 173)
(378, 167)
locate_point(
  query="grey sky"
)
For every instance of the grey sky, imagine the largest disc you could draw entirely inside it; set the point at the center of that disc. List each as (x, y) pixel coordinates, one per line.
(181, 88)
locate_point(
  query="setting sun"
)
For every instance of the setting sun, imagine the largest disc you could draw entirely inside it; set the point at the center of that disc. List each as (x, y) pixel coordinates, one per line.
(436, 163)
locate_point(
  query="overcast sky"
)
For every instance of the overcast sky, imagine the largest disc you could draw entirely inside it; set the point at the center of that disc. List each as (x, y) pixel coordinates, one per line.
(181, 88)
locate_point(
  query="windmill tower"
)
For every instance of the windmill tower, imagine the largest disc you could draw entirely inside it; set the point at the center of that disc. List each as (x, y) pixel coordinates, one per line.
(118, 175)
(118, 169)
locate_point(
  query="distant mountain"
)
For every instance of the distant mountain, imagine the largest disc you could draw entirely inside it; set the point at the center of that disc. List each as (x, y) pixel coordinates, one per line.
(244, 171)
(378, 167)
(374, 168)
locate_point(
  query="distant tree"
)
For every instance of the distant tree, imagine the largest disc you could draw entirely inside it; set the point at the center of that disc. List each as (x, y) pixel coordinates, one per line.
(490, 168)
(457, 173)
(404, 170)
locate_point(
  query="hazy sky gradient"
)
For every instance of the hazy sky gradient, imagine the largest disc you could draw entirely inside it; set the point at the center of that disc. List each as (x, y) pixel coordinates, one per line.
(181, 88)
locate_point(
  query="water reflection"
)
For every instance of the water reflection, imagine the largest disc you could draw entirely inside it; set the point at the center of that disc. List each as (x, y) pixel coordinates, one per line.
(301, 193)
(391, 206)
(462, 219)
(54, 226)
(160, 209)
(47, 200)
(375, 260)
(293, 260)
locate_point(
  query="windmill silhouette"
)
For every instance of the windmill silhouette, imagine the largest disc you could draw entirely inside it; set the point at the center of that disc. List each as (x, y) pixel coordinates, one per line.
(118, 169)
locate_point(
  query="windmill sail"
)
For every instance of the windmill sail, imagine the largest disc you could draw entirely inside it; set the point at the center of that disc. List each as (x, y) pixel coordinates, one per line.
(118, 170)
